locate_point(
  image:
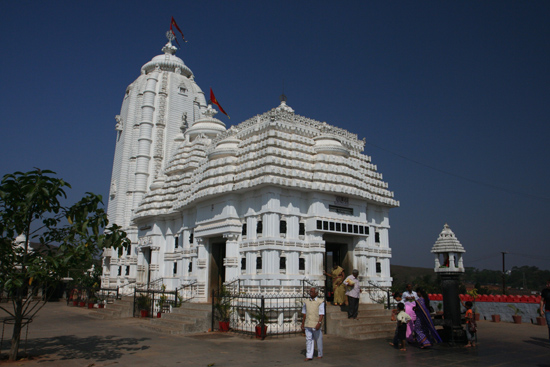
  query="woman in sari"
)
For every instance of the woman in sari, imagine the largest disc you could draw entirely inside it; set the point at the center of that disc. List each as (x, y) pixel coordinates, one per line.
(426, 334)
(338, 287)
(409, 309)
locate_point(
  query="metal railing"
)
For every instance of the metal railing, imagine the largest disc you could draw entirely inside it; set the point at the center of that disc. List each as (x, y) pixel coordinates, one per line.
(262, 314)
(233, 286)
(259, 314)
(154, 302)
(187, 292)
(156, 284)
(385, 290)
(109, 295)
(122, 290)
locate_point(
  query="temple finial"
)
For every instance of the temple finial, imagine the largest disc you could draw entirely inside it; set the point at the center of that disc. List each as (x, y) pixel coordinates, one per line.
(169, 48)
(282, 98)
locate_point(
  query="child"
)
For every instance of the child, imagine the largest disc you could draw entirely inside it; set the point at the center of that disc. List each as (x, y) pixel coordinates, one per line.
(402, 319)
(397, 297)
(471, 326)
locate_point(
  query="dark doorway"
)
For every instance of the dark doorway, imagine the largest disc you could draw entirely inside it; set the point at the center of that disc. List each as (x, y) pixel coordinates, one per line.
(147, 258)
(217, 268)
(336, 253)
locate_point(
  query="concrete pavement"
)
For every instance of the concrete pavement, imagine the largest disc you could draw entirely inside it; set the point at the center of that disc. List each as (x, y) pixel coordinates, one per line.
(65, 336)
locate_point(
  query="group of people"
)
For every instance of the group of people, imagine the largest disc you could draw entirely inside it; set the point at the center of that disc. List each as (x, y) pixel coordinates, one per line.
(413, 314)
(346, 291)
(414, 321)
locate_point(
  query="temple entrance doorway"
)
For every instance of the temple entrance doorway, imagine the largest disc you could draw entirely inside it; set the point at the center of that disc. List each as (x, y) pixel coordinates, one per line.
(216, 274)
(335, 253)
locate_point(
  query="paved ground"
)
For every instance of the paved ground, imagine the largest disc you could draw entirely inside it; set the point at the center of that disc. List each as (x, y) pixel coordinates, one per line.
(65, 336)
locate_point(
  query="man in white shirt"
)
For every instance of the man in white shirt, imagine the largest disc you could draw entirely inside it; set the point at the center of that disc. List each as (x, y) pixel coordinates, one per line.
(409, 296)
(353, 294)
(313, 312)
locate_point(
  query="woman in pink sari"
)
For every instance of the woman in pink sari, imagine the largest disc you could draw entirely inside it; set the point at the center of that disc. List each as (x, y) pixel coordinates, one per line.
(409, 309)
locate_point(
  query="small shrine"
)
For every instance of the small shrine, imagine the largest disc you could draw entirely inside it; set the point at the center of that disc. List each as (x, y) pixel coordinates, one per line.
(448, 252)
(449, 266)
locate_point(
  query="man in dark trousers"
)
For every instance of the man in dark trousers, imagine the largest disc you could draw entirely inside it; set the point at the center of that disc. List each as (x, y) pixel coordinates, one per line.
(545, 304)
(353, 293)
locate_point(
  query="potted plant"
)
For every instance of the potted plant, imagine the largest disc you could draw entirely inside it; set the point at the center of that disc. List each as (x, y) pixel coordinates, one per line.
(143, 302)
(91, 302)
(223, 307)
(516, 316)
(260, 319)
(161, 303)
(541, 320)
(74, 296)
(180, 301)
(495, 318)
(101, 301)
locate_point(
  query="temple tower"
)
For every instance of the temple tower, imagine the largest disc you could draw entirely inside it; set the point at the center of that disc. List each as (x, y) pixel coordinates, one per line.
(161, 104)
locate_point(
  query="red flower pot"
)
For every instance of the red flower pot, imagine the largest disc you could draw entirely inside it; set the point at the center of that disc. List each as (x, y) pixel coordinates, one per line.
(224, 326)
(144, 313)
(75, 303)
(517, 319)
(259, 331)
(541, 321)
(82, 304)
(100, 305)
(496, 318)
(91, 305)
(158, 315)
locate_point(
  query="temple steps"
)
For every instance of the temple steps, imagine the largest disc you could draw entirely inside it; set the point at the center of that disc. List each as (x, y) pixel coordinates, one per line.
(373, 322)
(119, 309)
(186, 319)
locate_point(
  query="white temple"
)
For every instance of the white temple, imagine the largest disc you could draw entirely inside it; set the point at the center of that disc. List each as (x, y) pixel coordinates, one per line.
(269, 202)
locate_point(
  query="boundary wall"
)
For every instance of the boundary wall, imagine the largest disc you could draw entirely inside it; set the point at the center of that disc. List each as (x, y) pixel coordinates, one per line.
(487, 305)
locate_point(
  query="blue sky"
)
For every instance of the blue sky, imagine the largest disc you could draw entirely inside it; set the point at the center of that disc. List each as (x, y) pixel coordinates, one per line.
(452, 98)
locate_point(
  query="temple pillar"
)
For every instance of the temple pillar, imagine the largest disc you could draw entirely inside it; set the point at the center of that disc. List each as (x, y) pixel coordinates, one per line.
(271, 224)
(232, 258)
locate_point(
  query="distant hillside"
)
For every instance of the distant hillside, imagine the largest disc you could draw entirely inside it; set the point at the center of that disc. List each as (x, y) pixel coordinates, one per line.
(405, 274)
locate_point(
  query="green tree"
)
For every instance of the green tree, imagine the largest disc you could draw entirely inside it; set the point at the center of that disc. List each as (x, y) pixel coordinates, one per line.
(70, 238)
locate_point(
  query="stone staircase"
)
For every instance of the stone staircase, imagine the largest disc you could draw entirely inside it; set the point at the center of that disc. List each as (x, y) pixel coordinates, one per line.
(373, 322)
(119, 309)
(186, 319)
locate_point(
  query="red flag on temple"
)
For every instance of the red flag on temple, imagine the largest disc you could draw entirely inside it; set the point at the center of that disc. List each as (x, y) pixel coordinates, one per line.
(173, 23)
(215, 101)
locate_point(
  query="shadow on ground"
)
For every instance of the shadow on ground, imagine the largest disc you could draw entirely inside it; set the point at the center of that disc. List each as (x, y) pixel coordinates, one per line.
(539, 342)
(96, 348)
